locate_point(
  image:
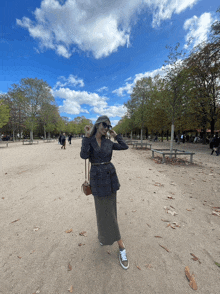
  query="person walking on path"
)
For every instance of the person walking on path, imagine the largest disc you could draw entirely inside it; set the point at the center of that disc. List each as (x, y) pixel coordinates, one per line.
(70, 138)
(104, 181)
(63, 141)
(214, 145)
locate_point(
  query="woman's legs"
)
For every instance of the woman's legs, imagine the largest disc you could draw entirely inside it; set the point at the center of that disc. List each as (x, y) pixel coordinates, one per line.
(121, 244)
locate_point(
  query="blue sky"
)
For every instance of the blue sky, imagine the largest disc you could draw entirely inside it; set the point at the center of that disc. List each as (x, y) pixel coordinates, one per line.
(91, 52)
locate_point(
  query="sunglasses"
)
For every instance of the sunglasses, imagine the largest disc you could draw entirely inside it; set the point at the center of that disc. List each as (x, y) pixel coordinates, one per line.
(106, 126)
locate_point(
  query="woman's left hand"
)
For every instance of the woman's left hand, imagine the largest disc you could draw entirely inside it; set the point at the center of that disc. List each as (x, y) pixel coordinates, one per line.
(113, 133)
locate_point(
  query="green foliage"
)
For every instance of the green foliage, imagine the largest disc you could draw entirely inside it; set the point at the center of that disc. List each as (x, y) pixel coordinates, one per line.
(4, 112)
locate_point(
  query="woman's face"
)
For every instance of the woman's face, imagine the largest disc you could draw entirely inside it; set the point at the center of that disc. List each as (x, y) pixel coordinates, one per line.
(101, 129)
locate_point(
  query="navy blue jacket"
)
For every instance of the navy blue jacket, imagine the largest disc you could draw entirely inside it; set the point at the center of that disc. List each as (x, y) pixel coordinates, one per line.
(103, 177)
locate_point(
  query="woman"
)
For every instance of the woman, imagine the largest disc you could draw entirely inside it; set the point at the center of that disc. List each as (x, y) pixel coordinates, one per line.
(104, 181)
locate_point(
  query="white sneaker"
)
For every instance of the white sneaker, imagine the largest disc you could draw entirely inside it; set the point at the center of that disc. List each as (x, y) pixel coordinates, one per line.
(123, 259)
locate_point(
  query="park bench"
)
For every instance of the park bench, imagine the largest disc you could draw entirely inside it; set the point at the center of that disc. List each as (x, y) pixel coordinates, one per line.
(4, 142)
(130, 142)
(142, 145)
(29, 142)
(175, 152)
(48, 140)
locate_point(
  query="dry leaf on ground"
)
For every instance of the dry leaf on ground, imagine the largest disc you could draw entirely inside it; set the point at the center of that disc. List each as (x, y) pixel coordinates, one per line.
(15, 221)
(71, 289)
(68, 231)
(157, 237)
(83, 233)
(36, 229)
(138, 267)
(69, 267)
(195, 258)
(168, 210)
(164, 248)
(191, 279)
(218, 264)
(80, 244)
(216, 213)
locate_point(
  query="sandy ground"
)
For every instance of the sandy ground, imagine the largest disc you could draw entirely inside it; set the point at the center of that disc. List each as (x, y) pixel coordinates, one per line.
(41, 199)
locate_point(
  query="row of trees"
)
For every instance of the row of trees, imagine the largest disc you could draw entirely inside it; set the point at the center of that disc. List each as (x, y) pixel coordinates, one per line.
(30, 107)
(187, 96)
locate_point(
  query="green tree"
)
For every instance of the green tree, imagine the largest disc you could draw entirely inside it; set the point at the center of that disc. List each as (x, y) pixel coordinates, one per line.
(4, 112)
(36, 92)
(175, 88)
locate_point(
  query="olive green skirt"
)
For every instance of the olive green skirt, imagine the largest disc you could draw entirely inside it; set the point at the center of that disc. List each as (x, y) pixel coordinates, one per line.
(106, 215)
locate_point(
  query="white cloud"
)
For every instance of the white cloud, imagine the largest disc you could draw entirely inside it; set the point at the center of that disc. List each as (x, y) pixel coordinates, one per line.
(74, 99)
(103, 89)
(129, 86)
(70, 81)
(199, 28)
(163, 10)
(95, 26)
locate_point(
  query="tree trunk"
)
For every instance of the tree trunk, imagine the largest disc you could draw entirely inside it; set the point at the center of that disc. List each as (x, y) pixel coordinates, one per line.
(171, 141)
(212, 127)
(31, 136)
(167, 135)
(162, 136)
(131, 135)
(141, 137)
(45, 134)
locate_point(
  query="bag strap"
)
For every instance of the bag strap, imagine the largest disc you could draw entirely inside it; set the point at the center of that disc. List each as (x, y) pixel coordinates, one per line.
(87, 175)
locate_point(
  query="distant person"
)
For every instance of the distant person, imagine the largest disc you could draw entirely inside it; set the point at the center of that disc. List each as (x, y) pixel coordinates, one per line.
(60, 136)
(215, 144)
(155, 139)
(63, 141)
(70, 138)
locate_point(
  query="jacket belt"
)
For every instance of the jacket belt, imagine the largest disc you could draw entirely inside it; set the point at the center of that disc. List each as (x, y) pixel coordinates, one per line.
(93, 163)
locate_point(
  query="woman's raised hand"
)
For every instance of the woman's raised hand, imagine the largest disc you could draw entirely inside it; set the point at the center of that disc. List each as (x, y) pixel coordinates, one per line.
(113, 133)
(87, 130)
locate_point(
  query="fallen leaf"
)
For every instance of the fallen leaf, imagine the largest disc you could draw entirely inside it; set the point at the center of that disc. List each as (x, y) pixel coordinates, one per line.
(164, 220)
(149, 225)
(134, 210)
(216, 213)
(68, 231)
(19, 257)
(36, 229)
(218, 264)
(148, 265)
(3, 197)
(109, 252)
(80, 244)
(157, 237)
(138, 267)
(194, 257)
(191, 279)
(15, 221)
(69, 267)
(83, 233)
(172, 207)
(70, 289)
(170, 197)
(168, 225)
(164, 248)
